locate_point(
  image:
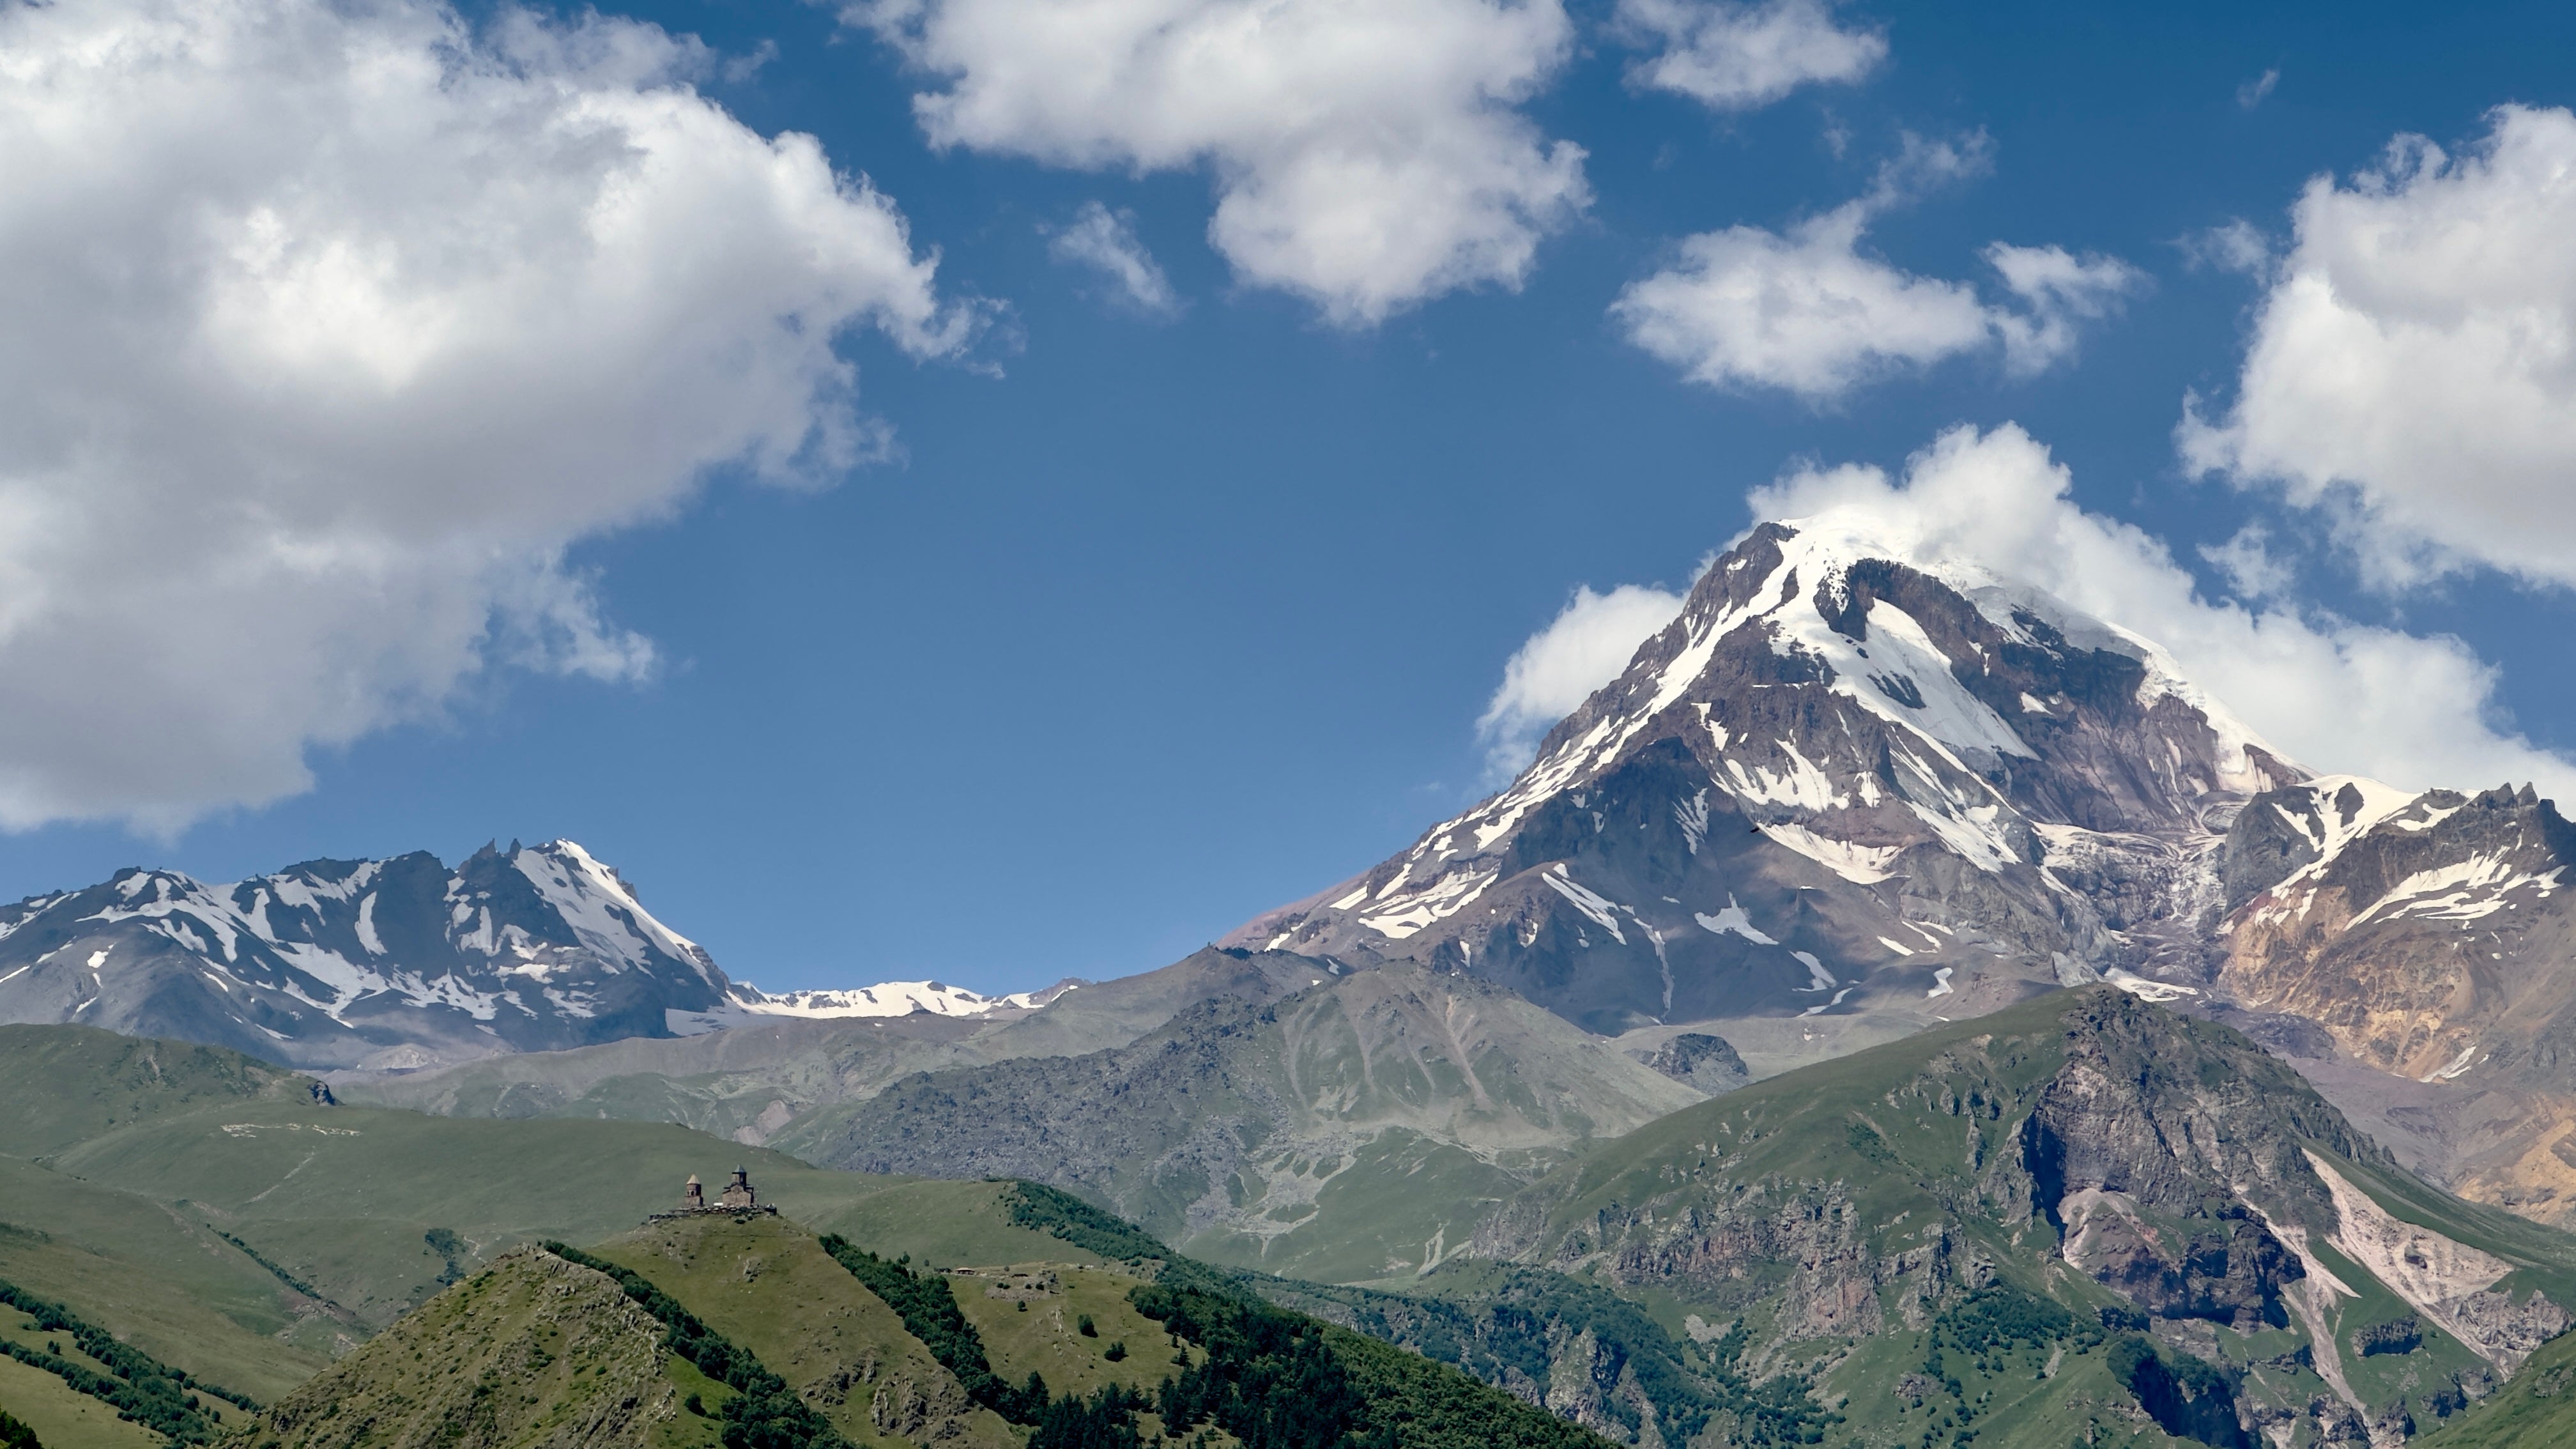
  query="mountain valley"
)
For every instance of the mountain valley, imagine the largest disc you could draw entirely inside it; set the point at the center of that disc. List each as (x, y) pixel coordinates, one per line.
(1897, 1010)
(2083, 1213)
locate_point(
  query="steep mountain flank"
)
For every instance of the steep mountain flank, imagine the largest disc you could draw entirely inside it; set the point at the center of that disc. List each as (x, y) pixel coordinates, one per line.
(2421, 942)
(1354, 1129)
(2424, 932)
(2095, 1171)
(1838, 782)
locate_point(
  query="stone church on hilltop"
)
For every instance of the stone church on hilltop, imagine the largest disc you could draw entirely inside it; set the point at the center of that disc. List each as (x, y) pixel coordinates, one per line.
(736, 1199)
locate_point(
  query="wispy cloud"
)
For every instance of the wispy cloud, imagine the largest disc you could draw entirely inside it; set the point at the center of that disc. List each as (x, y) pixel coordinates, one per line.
(1105, 241)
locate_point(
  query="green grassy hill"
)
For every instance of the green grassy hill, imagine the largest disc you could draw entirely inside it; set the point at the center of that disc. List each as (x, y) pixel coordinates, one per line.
(63, 1417)
(68, 1085)
(534, 1353)
(204, 1208)
(747, 1331)
(765, 1283)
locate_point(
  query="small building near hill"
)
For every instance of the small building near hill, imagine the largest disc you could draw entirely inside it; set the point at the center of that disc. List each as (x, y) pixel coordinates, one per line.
(737, 1199)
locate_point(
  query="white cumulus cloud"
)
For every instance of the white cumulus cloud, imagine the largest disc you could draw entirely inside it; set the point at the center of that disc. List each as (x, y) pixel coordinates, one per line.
(1368, 154)
(2413, 364)
(1737, 56)
(325, 329)
(2337, 696)
(1811, 312)
(1106, 242)
(1585, 647)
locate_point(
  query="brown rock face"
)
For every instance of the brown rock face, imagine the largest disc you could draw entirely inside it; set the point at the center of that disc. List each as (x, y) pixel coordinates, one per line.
(2428, 937)
(2412, 943)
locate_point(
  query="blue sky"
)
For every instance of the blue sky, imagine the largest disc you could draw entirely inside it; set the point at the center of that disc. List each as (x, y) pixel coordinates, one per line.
(1149, 620)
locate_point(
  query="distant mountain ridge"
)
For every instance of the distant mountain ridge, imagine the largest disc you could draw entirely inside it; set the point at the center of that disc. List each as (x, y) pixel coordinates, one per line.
(398, 964)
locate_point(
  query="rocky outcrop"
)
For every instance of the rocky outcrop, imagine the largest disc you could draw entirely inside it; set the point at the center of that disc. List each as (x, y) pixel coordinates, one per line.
(2161, 1112)
(2231, 1271)
(1700, 1061)
(904, 1407)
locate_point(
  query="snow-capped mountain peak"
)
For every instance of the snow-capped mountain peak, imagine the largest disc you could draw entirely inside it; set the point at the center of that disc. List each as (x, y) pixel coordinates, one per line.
(746, 1003)
(1873, 715)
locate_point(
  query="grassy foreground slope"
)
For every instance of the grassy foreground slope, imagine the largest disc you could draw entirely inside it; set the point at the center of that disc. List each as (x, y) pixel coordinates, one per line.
(765, 1283)
(623, 1349)
(64, 1418)
(1083, 1356)
(158, 1278)
(533, 1353)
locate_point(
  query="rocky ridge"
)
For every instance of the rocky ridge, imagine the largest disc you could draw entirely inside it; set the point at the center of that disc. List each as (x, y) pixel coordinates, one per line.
(751, 1081)
(2089, 1150)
